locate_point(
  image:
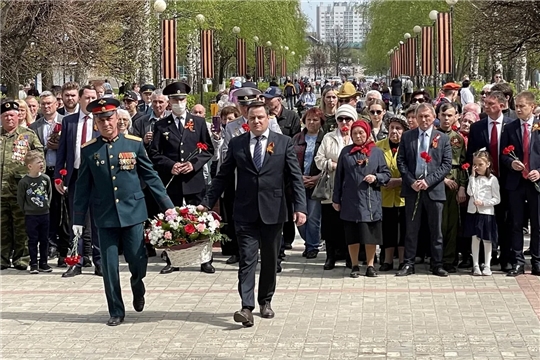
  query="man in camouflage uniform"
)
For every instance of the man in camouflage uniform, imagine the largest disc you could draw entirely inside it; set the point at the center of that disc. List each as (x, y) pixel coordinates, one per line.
(456, 185)
(15, 142)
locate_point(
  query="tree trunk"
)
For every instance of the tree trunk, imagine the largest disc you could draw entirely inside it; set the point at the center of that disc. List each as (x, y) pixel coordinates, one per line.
(520, 71)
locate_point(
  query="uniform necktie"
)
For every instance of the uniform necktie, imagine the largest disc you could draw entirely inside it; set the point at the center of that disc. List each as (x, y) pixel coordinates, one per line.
(421, 163)
(526, 149)
(257, 156)
(494, 147)
(83, 137)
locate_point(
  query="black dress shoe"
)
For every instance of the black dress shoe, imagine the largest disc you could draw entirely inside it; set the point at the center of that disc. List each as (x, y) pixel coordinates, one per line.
(266, 311)
(87, 262)
(440, 271)
(370, 272)
(245, 317)
(20, 267)
(207, 268)
(97, 271)
(138, 303)
(115, 321)
(312, 254)
(451, 269)
(386, 267)
(232, 260)
(466, 263)
(61, 262)
(304, 253)
(329, 264)
(169, 269)
(527, 252)
(72, 271)
(407, 270)
(288, 246)
(516, 270)
(401, 265)
(279, 268)
(355, 272)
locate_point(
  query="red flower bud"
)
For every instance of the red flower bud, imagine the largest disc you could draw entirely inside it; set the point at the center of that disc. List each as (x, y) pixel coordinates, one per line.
(245, 127)
(466, 166)
(58, 181)
(202, 146)
(63, 172)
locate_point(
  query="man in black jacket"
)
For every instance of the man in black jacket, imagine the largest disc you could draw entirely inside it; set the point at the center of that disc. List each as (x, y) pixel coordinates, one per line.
(263, 160)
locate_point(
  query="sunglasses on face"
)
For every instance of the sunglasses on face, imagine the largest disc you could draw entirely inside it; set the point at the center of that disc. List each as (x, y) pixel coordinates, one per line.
(342, 119)
(497, 77)
(485, 92)
(344, 101)
(418, 100)
(375, 112)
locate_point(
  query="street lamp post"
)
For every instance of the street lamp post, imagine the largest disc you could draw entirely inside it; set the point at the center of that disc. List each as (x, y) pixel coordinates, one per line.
(269, 45)
(417, 30)
(433, 17)
(236, 31)
(200, 20)
(159, 7)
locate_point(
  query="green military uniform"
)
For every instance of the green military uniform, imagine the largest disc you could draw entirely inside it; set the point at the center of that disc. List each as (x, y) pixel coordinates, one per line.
(109, 175)
(13, 147)
(450, 216)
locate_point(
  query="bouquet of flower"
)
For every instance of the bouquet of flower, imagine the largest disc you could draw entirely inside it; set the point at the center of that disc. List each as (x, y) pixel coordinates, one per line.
(184, 225)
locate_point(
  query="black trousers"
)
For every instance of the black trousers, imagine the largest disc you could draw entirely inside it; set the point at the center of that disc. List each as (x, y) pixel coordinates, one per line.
(333, 234)
(251, 238)
(57, 234)
(434, 215)
(37, 227)
(525, 195)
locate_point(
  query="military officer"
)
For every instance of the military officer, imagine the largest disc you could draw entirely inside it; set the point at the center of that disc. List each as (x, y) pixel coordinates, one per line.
(15, 142)
(456, 185)
(112, 166)
(175, 137)
(145, 105)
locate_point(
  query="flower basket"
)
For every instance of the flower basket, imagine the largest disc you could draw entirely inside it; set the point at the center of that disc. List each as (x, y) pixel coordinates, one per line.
(186, 254)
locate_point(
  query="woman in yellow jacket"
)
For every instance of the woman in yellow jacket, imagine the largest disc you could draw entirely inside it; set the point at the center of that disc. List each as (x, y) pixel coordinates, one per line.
(393, 205)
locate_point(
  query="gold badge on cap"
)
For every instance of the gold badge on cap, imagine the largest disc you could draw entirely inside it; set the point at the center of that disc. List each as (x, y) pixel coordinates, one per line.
(102, 101)
(7, 105)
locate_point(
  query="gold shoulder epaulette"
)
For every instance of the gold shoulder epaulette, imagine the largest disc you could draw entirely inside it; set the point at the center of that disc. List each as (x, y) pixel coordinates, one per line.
(89, 142)
(132, 137)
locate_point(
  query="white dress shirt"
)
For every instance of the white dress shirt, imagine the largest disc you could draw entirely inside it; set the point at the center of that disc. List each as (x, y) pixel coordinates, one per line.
(499, 129)
(466, 96)
(66, 113)
(48, 129)
(180, 120)
(264, 143)
(529, 128)
(487, 191)
(89, 131)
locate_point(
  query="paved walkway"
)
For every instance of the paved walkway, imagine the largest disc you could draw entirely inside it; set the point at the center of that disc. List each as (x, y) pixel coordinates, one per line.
(319, 315)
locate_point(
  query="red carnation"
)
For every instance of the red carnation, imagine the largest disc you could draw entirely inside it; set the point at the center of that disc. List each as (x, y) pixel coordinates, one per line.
(506, 150)
(63, 172)
(424, 155)
(202, 146)
(454, 127)
(158, 223)
(57, 128)
(58, 181)
(466, 166)
(184, 211)
(511, 147)
(245, 127)
(189, 229)
(394, 150)
(428, 159)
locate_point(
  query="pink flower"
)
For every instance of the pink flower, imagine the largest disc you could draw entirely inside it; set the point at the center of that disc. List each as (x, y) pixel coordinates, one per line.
(216, 224)
(171, 215)
(167, 235)
(200, 227)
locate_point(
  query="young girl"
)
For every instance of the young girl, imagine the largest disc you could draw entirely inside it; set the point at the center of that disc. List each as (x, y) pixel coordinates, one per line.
(480, 223)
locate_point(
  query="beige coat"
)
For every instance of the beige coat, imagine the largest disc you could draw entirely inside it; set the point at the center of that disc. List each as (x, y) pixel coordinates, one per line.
(328, 152)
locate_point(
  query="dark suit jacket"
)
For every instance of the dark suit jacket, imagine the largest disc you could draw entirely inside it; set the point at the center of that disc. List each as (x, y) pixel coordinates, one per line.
(260, 193)
(65, 155)
(141, 125)
(437, 169)
(171, 144)
(141, 108)
(114, 189)
(38, 127)
(513, 135)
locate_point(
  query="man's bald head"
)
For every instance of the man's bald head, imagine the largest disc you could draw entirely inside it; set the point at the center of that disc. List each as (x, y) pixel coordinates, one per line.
(472, 107)
(198, 110)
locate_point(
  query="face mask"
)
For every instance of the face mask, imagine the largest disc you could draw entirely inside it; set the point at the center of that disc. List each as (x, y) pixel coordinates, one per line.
(179, 108)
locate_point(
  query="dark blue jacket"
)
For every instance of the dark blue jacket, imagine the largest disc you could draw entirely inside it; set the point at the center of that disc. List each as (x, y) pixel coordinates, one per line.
(360, 201)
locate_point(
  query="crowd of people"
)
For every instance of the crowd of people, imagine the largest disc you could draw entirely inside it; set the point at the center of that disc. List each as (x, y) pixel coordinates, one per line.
(431, 180)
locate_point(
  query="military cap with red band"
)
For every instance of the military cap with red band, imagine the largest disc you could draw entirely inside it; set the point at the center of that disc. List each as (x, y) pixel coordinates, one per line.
(103, 107)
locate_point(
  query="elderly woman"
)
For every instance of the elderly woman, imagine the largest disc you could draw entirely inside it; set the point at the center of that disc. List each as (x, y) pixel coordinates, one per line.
(393, 205)
(467, 120)
(124, 121)
(25, 117)
(306, 144)
(361, 171)
(377, 111)
(329, 106)
(326, 160)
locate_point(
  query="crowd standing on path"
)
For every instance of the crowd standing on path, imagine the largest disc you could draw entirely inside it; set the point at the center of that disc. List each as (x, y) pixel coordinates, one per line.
(451, 180)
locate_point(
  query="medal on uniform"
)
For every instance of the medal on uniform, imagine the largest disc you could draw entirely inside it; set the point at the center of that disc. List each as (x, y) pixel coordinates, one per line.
(166, 134)
(96, 157)
(190, 126)
(127, 160)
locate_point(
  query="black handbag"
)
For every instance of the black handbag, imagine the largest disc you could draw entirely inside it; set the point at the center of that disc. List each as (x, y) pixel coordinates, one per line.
(322, 190)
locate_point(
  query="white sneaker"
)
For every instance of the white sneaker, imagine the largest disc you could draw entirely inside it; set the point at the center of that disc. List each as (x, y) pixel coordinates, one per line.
(487, 271)
(476, 271)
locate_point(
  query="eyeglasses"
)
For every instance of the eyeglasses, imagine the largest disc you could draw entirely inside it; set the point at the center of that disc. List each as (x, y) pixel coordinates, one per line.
(344, 101)
(342, 119)
(418, 100)
(375, 112)
(498, 76)
(485, 93)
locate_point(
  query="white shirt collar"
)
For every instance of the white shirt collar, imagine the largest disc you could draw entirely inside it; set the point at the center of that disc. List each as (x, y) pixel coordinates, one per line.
(82, 115)
(530, 121)
(265, 134)
(428, 131)
(499, 119)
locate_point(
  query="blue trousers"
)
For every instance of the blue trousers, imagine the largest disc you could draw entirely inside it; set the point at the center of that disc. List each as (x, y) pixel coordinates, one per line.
(311, 230)
(135, 254)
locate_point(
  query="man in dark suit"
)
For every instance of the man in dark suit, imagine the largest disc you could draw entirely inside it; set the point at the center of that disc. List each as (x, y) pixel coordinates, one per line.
(486, 133)
(264, 162)
(145, 105)
(70, 99)
(174, 138)
(113, 189)
(143, 126)
(78, 129)
(423, 185)
(130, 104)
(249, 82)
(523, 166)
